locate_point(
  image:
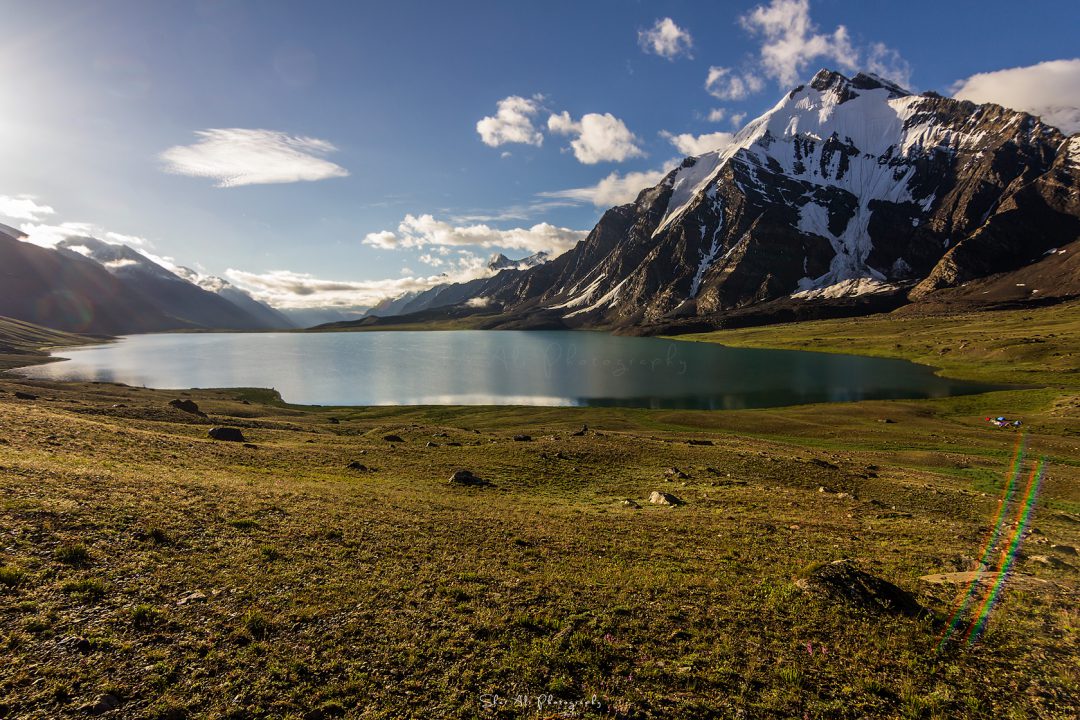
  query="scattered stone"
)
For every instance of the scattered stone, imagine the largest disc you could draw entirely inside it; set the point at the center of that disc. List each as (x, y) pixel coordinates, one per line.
(893, 515)
(104, 704)
(663, 498)
(440, 435)
(119, 405)
(195, 596)
(227, 433)
(843, 581)
(25, 395)
(1048, 560)
(354, 465)
(431, 444)
(887, 421)
(393, 438)
(584, 429)
(334, 421)
(983, 577)
(1064, 549)
(674, 472)
(699, 442)
(453, 444)
(188, 406)
(251, 446)
(522, 438)
(466, 477)
(628, 503)
(823, 464)
(84, 646)
(245, 402)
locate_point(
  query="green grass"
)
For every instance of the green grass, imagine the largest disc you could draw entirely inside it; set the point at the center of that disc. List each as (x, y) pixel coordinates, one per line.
(1039, 346)
(219, 581)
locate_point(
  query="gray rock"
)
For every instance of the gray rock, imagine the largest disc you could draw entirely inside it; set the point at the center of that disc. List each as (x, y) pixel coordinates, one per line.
(227, 433)
(843, 581)
(466, 477)
(663, 498)
(188, 406)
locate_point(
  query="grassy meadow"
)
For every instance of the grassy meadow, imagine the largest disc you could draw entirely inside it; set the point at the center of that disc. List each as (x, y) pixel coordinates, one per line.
(148, 571)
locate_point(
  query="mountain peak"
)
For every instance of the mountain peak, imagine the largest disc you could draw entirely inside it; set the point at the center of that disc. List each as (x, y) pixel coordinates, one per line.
(825, 80)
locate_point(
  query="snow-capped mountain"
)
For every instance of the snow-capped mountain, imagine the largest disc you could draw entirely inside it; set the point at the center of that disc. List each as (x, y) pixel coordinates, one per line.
(847, 187)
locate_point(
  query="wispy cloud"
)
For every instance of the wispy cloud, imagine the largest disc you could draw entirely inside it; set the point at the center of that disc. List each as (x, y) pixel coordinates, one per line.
(239, 156)
(689, 144)
(615, 189)
(23, 207)
(419, 231)
(1049, 89)
(666, 39)
(512, 123)
(597, 138)
(49, 235)
(789, 42)
(292, 290)
(726, 84)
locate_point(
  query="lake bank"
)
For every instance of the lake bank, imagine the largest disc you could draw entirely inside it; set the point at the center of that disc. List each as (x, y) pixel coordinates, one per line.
(218, 579)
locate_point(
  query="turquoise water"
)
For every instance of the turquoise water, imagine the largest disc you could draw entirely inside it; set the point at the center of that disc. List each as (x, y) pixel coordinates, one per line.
(497, 368)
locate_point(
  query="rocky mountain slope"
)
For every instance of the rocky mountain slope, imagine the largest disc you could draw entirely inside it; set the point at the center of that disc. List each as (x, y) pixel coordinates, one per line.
(86, 285)
(847, 192)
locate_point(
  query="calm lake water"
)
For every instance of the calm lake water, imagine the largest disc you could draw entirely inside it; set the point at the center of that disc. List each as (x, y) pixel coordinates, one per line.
(497, 368)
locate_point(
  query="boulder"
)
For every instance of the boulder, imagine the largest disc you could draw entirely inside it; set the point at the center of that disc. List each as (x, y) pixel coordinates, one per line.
(842, 581)
(522, 438)
(663, 498)
(393, 438)
(227, 433)
(188, 406)
(19, 394)
(466, 477)
(628, 503)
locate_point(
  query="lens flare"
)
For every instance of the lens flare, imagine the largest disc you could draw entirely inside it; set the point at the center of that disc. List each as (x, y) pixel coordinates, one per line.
(1024, 506)
(1023, 519)
(991, 540)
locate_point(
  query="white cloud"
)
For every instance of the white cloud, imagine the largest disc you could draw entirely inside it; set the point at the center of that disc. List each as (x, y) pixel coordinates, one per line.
(1049, 89)
(615, 189)
(47, 235)
(418, 231)
(600, 138)
(292, 290)
(725, 84)
(791, 40)
(717, 114)
(737, 118)
(23, 207)
(512, 122)
(666, 39)
(689, 144)
(239, 156)
(885, 62)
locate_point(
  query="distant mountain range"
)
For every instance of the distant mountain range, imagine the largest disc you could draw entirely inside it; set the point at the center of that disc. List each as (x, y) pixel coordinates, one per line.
(850, 195)
(86, 285)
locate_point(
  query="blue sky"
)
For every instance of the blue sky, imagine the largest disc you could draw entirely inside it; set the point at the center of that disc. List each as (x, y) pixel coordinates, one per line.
(103, 102)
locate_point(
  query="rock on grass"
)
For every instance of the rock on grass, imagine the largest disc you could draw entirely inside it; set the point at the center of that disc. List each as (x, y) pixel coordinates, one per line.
(842, 581)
